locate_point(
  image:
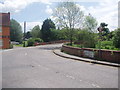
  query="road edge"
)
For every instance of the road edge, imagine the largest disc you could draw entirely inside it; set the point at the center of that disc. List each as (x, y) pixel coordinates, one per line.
(89, 61)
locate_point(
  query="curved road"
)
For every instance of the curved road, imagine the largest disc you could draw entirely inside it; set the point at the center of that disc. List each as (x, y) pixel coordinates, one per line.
(38, 67)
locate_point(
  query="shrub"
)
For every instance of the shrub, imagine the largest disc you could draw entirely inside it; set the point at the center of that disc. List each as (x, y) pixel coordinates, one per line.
(30, 42)
(86, 38)
(11, 46)
(106, 45)
(38, 40)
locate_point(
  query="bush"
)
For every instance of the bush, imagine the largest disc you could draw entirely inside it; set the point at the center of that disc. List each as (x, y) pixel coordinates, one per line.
(31, 42)
(86, 38)
(11, 46)
(106, 45)
(38, 40)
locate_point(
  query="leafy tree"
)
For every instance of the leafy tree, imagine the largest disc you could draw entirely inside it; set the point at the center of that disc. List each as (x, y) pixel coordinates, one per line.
(103, 31)
(28, 35)
(57, 34)
(116, 40)
(48, 24)
(35, 32)
(90, 23)
(68, 15)
(15, 31)
(85, 38)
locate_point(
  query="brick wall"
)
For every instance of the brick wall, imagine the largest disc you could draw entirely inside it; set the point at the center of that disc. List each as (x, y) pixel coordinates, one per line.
(52, 42)
(104, 55)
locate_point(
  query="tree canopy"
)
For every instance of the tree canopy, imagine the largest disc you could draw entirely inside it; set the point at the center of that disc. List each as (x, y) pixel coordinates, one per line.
(35, 32)
(116, 39)
(90, 23)
(68, 15)
(15, 31)
(48, 24)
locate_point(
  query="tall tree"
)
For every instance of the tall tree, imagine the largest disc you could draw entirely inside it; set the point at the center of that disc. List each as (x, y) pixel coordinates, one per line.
(15, 31)
(48, 24)
(36, 32)
(90, 23)
(68, 15)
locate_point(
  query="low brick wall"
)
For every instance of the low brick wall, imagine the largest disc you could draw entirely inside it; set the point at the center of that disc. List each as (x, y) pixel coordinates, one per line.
(52, 42)
(104, 55)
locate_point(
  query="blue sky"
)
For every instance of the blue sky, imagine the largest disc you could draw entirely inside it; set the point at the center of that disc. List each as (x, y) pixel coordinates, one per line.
(34, 12)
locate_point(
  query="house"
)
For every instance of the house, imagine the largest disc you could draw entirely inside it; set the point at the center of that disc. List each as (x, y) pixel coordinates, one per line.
(4, 30)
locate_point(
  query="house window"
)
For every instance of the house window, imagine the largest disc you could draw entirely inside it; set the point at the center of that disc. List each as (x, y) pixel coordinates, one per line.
(1, 42)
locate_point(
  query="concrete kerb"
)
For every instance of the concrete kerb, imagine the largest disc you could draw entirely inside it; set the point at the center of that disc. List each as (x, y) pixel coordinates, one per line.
(58, 52)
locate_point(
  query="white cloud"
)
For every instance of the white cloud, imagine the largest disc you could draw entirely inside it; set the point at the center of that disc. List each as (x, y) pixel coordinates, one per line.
(81, 7)
(17, 5)
(30, 25)
(107, 12)
(48, 10)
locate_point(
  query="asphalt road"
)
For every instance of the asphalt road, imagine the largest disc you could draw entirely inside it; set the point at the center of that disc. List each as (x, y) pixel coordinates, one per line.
(39, 67)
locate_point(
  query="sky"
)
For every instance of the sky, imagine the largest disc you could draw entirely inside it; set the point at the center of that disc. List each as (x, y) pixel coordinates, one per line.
(34, 12)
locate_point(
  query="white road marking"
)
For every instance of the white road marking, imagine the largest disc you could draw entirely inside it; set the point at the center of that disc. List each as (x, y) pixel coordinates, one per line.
(80, 80)
(94, 85)
(70, 76)
(25, 54)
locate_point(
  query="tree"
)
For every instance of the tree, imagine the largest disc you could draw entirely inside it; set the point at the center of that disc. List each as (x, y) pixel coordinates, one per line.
(28, 35)
(116, 40)
(85, 38)
(35, 32)
(15, 31)
(90, 23)
(68, 15)
(103, 29)
(48, 24)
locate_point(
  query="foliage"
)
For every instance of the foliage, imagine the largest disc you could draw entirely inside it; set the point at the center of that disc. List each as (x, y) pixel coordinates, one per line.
(57, 34)
(116, 40)
(35, 32)
(15, 31)
(105, 45)
(31, 41)
(28, 35)
(68, 15)
(85, 38)
(103, 30)
(11, 46)
(90, 23)
(75, 45)
(48, 24)
(38, 40)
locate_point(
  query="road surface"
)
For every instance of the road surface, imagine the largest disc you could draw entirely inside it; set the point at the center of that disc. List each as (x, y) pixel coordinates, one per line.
(39, 67)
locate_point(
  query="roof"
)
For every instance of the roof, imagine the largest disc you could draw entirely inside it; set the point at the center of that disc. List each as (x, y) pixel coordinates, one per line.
(5, 19)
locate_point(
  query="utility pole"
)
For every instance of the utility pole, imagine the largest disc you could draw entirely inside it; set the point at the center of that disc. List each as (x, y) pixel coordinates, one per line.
(24, 33)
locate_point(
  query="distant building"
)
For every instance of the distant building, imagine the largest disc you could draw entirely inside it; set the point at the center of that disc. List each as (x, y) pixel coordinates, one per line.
(4, 30)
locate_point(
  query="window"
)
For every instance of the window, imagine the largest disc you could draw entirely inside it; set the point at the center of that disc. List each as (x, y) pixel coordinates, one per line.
(1, 42)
